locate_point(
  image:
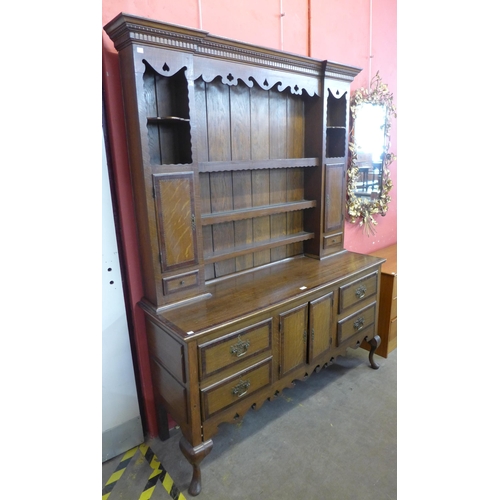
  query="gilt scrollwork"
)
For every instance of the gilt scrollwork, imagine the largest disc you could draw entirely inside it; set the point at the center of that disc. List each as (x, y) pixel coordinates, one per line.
(361, 210)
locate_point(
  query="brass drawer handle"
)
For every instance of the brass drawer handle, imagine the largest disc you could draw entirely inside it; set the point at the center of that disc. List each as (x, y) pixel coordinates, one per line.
(360, 291)
(358, 324)
(242, 388)
(240, 348)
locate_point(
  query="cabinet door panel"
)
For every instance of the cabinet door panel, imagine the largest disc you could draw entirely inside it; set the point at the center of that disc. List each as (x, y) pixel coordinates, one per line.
(334, 197)
(293, 329)
(320, 325)
(174, 200)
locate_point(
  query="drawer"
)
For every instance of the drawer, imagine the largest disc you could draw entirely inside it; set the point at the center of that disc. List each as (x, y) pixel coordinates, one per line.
(355, 323)
(180, 282)
(358, 291)
(333, 242)
(230, 349)
(231, 390)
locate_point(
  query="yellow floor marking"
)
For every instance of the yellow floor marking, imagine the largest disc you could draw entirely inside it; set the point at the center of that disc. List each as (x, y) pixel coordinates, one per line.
(117, 474)
(146, 455)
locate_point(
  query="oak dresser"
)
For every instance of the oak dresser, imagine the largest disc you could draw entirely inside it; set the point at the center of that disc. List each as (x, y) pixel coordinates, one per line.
(238, 157)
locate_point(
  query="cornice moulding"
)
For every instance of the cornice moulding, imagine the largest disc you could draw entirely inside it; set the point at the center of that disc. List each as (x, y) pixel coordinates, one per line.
(127, 29)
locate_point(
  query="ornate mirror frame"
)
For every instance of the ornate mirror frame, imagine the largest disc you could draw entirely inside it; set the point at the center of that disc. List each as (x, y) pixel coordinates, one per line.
(360, 210)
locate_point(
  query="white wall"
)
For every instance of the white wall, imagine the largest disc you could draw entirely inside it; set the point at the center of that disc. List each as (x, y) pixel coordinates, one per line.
(121, 421)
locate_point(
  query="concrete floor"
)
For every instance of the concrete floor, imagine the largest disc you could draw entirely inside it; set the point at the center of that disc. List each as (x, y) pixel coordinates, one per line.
(332, 437)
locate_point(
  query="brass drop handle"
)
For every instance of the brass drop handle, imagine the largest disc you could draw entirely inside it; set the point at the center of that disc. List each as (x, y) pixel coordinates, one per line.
(360, 291)
(358, 324)
(241, 388)
(240, 348)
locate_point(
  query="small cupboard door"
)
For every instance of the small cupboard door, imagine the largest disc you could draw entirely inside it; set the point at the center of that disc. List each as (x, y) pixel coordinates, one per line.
(334, 197)
(293, 332)
(320, 325)
(175, 217)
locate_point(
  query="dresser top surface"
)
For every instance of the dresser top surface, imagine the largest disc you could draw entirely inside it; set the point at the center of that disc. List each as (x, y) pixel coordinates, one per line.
(261, 290)
(390, 266)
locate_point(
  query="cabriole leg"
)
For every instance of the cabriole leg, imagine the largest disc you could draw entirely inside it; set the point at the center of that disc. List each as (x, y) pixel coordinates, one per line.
(374, 342)
(194, 456)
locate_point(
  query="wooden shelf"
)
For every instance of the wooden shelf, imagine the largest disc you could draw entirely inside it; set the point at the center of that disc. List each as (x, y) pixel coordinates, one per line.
(250, 213)
(256, 247)
(221, 166)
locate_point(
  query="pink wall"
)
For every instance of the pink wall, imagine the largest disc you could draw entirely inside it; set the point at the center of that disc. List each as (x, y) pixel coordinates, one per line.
(338, 30)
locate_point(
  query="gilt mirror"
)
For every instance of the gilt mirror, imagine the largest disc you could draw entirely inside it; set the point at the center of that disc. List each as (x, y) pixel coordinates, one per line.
(368, 175)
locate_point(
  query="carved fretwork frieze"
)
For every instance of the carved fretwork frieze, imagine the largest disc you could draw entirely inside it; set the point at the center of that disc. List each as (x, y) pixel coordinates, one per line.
(247, 75)
(336, 92)
(267, 83)
(165, 69)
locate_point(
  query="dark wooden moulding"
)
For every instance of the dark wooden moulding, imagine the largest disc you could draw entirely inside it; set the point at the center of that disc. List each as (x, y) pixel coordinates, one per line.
(238, 158)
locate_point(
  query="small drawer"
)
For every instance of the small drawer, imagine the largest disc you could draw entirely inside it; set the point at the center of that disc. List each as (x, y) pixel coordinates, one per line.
(228, 350)
(234, 389)
(357, 291)
(333, 242)
(180, 282)
(355, 323)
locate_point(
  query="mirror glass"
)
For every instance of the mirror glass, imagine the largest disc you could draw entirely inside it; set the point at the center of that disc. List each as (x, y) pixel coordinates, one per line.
(370, 140)
(368, 175)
